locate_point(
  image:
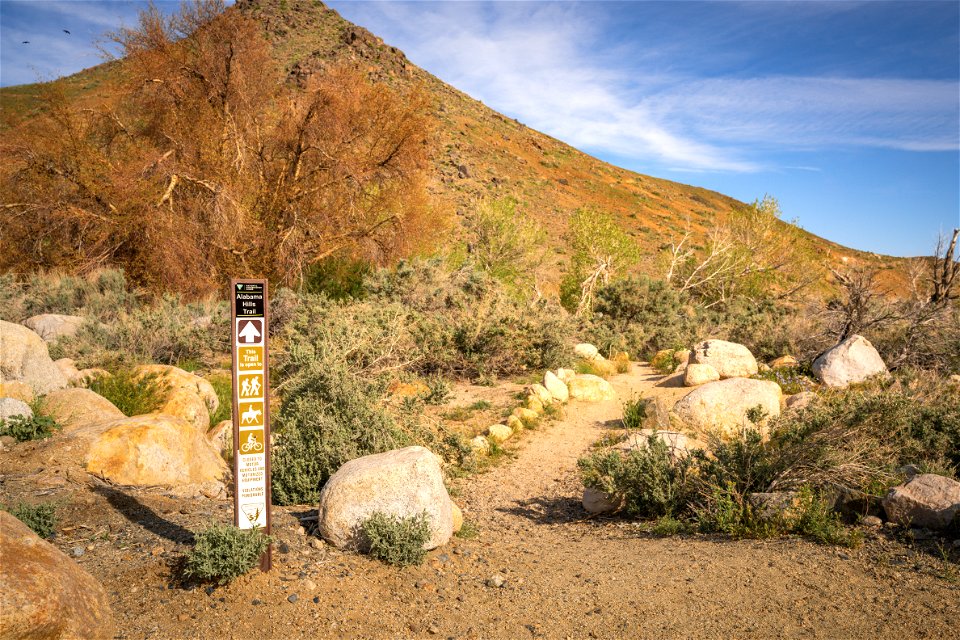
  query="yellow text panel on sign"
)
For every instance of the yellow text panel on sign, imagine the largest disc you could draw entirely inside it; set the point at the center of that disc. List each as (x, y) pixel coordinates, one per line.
(250, 358)
(251, 414)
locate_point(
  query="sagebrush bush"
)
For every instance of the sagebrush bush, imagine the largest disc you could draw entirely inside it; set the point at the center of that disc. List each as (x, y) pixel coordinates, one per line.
(41, 517)
(665, 362)
(102, 295)
(651, 482)
(791, 380)
(396, 540)
(133, 394)
(641, 316)
(329, 415)
(222, 553)
(24, 428)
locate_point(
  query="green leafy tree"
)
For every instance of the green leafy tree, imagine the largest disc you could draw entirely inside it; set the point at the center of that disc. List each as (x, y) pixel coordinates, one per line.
(505, 243)
(602, 251)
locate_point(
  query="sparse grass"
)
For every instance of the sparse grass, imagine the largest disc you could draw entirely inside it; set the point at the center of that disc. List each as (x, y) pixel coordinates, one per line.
(24, 428)
(468, 530)
(396, 540)
(791, 380)
(41, 517)
(480, 405)
(609, 439)
(222, 553)
(635, 412)
(668, 526)
(133, 394)
(591, 367)
(223, 386)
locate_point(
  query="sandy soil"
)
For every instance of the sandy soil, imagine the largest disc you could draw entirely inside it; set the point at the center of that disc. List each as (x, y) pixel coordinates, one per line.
(567, 576)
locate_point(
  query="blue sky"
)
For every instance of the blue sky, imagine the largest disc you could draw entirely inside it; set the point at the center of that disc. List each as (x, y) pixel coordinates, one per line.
(847, 112)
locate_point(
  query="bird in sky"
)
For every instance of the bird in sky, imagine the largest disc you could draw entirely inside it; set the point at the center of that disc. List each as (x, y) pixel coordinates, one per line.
(66, 32)
(25, 42)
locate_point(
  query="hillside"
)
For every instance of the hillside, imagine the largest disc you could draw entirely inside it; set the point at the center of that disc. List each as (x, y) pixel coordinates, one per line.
(477, 151)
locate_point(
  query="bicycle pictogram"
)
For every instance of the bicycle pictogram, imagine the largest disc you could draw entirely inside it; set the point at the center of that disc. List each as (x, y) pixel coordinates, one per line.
(252, 445)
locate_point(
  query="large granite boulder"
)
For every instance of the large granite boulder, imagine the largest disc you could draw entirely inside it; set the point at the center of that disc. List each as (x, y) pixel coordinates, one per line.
(925, 500)
(188, 395)
(45, 594)
(696, 374)
(10, 407)
(853, 360)
(24, 357)
(556, 387)
(403, 482)
(720, 408)
(77, 408)
(154, 450)
(731, 360)
(590, 388)
(53, 326)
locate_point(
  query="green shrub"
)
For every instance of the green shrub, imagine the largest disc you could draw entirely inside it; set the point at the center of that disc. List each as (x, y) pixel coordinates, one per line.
(134, 395)
(24, 428)
(440, 390)
(102, 295)
(338, 278)
(791, 380)
(224, 552)
(635, 412)
(41, 518)
(328, 416)
(641, 316)
(396, 540)
(665, 362)
(650, 481)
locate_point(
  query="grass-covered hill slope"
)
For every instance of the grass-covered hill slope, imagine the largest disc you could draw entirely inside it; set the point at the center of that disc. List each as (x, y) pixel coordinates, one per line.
(477, 152)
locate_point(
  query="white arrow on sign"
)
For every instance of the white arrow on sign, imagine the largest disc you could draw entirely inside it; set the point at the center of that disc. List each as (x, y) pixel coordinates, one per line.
(249, 333)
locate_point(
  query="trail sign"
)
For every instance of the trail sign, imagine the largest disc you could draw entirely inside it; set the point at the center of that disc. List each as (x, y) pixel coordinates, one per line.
(251, 410)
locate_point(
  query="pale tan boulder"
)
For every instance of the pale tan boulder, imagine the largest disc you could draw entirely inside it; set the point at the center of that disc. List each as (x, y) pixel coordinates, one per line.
(24, 357)
(564, 375)
(697, 374)
(10, 407)
(45, 594)
(403, 483)
(499, 432)
(720, 408)
(53, 326)
(800, 400)
(515, 423)
(480, 444)
(187, 404)
(457, 516)
(590, 388)
(69, 369)
(586, 351)
(221, 437)
(534, 404)
(784, 362)
(177, 378)
(678, 444)
(925, 500)
(528, 417)
(154, 450)
(597, 502)
(682, 356)
(556, 387)
(77, 408)
(731, 360)
(16, 389)
(542, 394)
(853, 360)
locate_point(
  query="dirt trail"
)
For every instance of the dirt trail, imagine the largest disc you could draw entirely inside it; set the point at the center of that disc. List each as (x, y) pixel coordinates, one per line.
(566, 576)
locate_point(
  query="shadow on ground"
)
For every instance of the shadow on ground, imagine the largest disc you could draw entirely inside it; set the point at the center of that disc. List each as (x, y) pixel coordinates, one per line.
(142, 515)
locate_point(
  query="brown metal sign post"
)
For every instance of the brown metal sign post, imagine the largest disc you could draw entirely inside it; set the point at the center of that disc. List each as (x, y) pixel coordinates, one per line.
(251, 408)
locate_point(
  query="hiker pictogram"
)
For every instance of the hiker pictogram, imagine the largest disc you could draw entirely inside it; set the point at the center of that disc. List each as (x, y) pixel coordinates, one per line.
(250, 332)
(251, 386)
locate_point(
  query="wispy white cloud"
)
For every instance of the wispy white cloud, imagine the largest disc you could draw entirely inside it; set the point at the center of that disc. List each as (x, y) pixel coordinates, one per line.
(552, 67)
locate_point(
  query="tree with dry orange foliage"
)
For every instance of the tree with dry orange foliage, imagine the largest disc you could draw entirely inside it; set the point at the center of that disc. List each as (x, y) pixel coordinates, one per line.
(208, 166)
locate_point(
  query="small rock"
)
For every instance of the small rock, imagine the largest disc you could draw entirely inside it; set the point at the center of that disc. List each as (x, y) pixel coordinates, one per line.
(283, 547)
(316, 599)
(496, 581)
(76, 552)
(316, 543)
(871, 521)
(301, 531)
(256, 601)
(433, 630)
(292, 598)
(309, 585)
